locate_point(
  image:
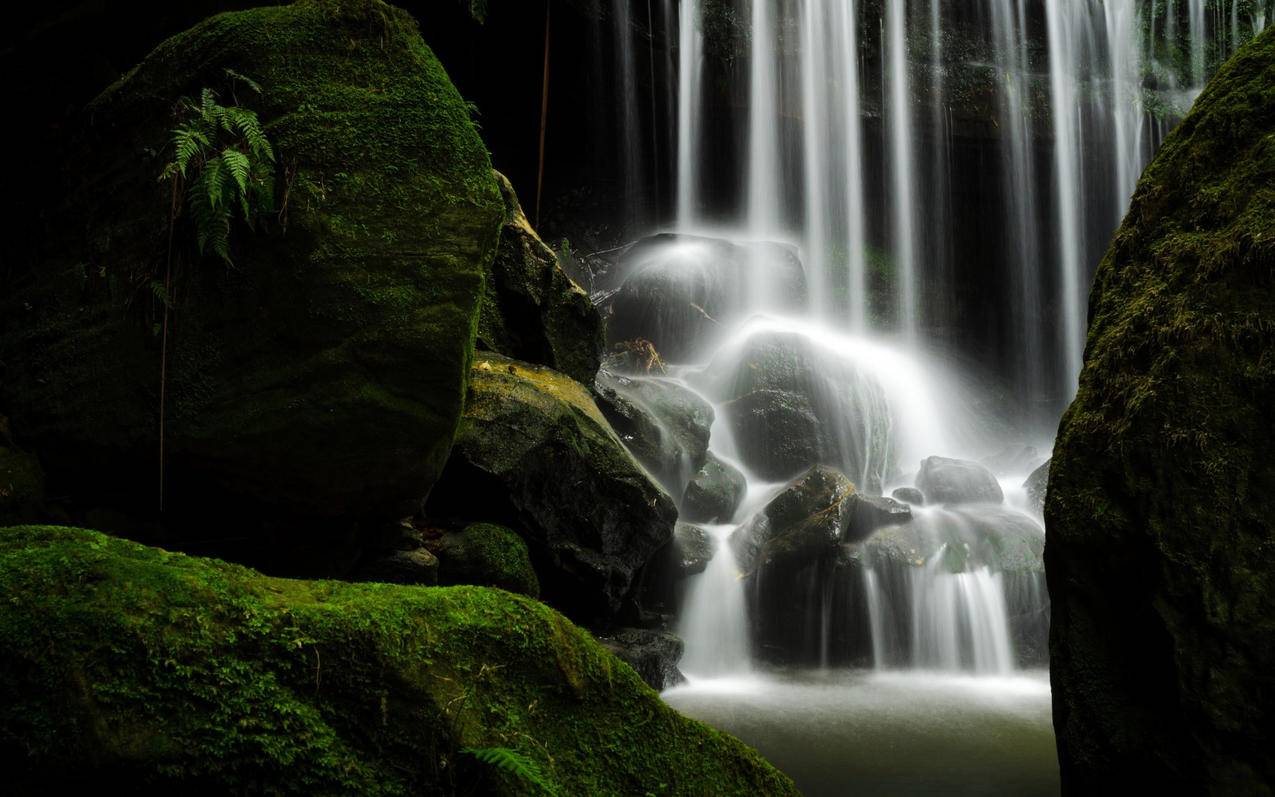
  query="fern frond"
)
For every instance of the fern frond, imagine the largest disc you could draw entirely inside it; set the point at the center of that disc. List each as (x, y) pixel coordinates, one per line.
(246, 123)
(247, 81)
(514, 763)
(212, 183)
(187, 143)
(239, 167)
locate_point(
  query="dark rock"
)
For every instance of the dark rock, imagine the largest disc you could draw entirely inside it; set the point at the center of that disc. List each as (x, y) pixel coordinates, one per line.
(813, 508)
(416, 566)
(693, 548)
(793, 402)
(909, 495)
(957, 481)
(715, 492)
(869, 513)
(531, 309)
(663, 424)
(1161, 499)
(680, 289)
(322, 377)
(535, 453)
(653, 655)
(486, 555)
(156, 672)
(1035, 486)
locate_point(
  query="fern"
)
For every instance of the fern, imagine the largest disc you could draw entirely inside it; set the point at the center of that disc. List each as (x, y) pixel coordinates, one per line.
(514, 763)
(225, 164)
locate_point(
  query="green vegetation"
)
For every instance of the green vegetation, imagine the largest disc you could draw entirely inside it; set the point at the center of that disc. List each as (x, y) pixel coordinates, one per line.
(488, 555)
(136, 669)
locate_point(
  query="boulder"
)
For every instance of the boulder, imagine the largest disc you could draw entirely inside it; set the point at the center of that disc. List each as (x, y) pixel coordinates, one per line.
(531, 309)
(909, 495)
(793, 401)
(653, 655)
(1035, 487)
(136, 670)
(535, 453)
(693, 547)
(1161, 498)
(680, 290)
(714, 493)
(957, 481)
(322, 376)
(663, 424)
(869, 513)
(486, 555)
(813, 508)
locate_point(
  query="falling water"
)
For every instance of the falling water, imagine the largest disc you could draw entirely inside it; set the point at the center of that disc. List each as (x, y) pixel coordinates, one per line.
(715, 622)
(901, 164)
(848, 67)
(1195, 18)
(690, 45)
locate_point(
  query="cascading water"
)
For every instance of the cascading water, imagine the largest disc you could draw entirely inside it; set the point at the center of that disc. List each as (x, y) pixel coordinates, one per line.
(925, 161)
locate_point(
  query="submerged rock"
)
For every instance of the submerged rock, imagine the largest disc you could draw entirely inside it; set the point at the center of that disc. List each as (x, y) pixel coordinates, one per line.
(715, 492)
(653, 655)
(536, 454)
(487, 555)
(793, 402)
(321, 377)
(138, 670)
(1161, 495)
(531, 309)
(957, 481)
(663, 424)
(680, 290)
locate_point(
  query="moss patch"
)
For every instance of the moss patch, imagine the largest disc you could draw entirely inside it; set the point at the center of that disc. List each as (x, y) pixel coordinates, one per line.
(129, 667)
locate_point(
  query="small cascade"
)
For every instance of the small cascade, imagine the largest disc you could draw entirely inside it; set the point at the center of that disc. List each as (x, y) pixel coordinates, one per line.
(902, 166)
(714, 621)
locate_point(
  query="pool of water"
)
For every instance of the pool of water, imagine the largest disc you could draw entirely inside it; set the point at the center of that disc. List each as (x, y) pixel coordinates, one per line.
(889, 733)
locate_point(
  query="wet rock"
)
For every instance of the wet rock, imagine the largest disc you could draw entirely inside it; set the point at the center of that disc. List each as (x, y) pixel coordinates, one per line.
(535, 453)
(487, 555)
(812, 511)
(957, 481)
(693, 547)
(1035, 486)
(909, 495)
(531, 309)
(663, 424)
(653, 655)
(869, 513)
(679, 290)
(793, 402)
(715, 492)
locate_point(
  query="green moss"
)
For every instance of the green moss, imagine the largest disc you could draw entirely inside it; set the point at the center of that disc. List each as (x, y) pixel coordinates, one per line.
(141, 669)
(348, 322)
(489, 555)
(1162, 490)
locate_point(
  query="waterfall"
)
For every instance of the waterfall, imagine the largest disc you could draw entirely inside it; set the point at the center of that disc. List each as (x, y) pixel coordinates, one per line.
(714, 623)
(814, 106)
(901, 166)
(689, 47)
(847, 66)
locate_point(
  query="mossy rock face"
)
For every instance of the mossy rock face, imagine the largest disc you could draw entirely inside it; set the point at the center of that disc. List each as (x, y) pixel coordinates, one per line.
(1160, 506)
(488, 555)
(323, 374)
(531, 309)
(126, 668)
(536, 454)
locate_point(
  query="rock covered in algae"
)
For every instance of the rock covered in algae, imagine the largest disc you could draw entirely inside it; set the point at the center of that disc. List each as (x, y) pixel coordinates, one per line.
(535, 453)
(1161, 502)
(125, 668)
(323, 374)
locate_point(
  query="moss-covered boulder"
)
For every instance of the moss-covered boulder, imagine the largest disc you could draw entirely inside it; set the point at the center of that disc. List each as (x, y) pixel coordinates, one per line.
(531, 309)
(1161, 501)
(322, 374)
(125, 668)
(535, 453)
(487, 555)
